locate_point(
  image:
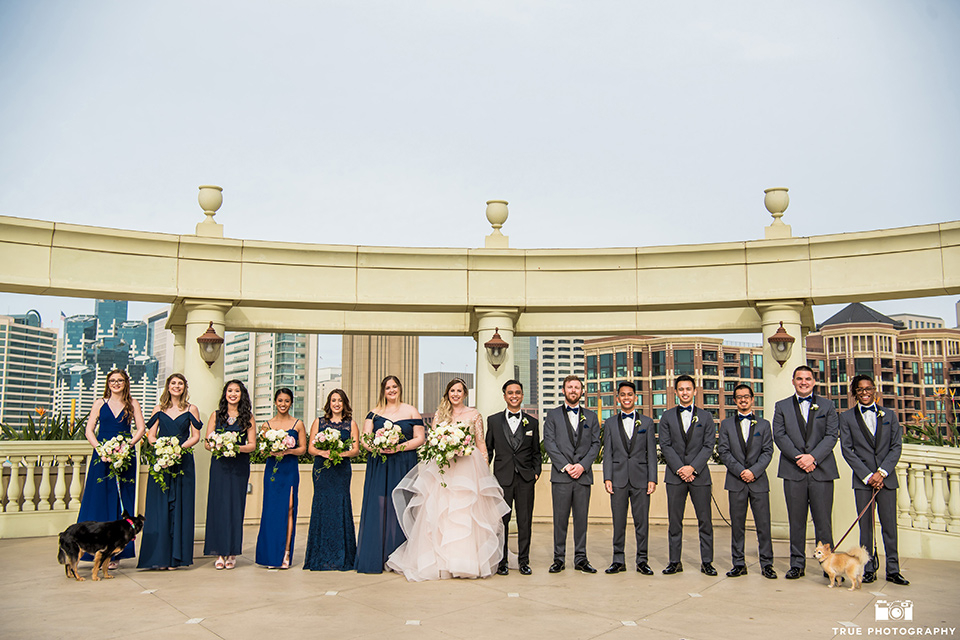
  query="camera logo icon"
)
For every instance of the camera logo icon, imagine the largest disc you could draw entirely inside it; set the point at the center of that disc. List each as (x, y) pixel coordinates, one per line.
(893, 610)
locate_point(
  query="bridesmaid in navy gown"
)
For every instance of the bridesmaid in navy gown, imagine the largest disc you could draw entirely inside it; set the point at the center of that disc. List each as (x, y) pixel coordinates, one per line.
(380, 532)
(104, 499)
(168, 515)
(227, 490)
(332, 541)
(281, 484)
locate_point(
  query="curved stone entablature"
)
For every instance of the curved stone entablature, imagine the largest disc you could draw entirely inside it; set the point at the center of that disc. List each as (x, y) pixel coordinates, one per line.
(360, 289)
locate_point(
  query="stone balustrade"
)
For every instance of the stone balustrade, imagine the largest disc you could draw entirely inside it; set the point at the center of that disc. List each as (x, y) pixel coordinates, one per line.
(928, 502)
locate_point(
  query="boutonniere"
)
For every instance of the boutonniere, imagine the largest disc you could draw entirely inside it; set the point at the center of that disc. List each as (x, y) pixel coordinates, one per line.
(583, 418)
(695, 419)
(881, 413)
(524, 421)
(753, 423)
(815, 406)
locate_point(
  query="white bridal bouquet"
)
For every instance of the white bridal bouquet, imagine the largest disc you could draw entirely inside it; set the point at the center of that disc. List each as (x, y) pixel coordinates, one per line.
(117, 454)
(386, 437)
(223, 444)
(445, 442)
(329, 440)
(163, 459)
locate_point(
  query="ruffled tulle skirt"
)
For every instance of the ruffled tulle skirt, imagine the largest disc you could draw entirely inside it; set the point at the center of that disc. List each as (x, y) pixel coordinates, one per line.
(453, 531)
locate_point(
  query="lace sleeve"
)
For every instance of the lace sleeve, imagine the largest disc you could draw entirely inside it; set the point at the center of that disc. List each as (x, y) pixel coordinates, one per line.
(478, 438)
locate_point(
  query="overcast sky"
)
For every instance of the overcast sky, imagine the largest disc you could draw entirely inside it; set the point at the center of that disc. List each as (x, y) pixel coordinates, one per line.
(632, 123)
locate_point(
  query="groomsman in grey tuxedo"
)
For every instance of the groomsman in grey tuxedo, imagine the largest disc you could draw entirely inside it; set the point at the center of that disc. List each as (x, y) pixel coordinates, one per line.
(687, 436)
(870, 441)
(629, 474)
(805, 428)
(745, 446)
(513, 444)
(571, 436)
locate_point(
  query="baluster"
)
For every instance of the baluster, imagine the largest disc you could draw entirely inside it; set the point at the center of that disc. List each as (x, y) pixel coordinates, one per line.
(920, 501)
(937, 504)
(30, 484)
(954, 503)
(903, 497)
(60, 486)
(912, 490)
(13, 489)
(928, 483)
(45, 464)
(75, 483)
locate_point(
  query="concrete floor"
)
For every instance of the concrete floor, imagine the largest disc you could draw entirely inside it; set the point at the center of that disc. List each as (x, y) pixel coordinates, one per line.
(251, 602)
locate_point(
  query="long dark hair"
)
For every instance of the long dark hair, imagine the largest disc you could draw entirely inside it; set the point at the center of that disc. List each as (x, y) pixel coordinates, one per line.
(347, 412)
(244, 408)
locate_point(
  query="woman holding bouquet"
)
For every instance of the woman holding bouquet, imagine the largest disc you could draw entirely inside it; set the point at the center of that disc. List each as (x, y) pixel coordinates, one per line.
(332, 542)
(451, 512)
(281, 484)
(106, 496)
(380, 531)
(168, 514)
(229, 474)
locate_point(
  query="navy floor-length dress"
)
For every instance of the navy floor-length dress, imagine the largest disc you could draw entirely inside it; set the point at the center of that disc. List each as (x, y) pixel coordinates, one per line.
(380, 533)
(104, 498)
(281, 478)
(168, 515)
(332, 539)
(226, 499)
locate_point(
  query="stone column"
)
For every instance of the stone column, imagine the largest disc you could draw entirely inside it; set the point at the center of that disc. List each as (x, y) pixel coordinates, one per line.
(206, 385)
(489, 396)
(776, 386)
(179, 353)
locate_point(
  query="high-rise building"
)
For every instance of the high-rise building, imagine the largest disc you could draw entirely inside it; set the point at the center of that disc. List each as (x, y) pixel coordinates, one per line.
(524, 369)
(435, 382)
(909, 365)
(28, 354)
(265, 362)
(91, 346)
(653, 363)
(557, 358)
(368, 359)
(160, 343)
(915, 321)
(328, 379)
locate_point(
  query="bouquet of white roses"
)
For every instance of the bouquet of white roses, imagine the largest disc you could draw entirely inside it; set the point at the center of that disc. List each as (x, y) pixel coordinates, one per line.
(386, 437)
(163, 459)
(271, 441)
(117, 454)
(445, 442)
(223, 444)
(330, 440)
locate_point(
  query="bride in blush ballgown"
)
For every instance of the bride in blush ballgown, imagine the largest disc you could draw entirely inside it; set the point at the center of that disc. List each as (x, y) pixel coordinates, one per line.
(453, 531)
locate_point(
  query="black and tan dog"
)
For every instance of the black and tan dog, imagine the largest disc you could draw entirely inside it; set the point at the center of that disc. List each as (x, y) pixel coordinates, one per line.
(100, 539)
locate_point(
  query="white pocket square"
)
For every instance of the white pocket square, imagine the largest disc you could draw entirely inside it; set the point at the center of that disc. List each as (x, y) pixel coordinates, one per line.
(528, 433)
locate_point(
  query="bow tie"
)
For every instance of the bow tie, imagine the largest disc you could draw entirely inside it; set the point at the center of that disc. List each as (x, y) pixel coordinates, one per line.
(807, 399)
(631, 415)
(749, 416)
(572, 409)
(872, 407)
(513, 415)
(690, 409)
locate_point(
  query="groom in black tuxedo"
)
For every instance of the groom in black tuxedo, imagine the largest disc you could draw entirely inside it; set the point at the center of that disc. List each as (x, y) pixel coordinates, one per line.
(513, 444)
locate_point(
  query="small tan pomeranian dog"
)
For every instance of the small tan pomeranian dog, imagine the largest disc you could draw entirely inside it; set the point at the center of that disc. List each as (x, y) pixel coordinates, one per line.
(839, 564)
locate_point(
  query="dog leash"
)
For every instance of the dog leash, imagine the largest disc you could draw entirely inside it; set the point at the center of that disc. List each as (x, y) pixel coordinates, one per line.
(869, 504)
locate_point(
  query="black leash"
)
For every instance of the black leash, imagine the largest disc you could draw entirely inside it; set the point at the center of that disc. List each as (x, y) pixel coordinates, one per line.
(869, 505)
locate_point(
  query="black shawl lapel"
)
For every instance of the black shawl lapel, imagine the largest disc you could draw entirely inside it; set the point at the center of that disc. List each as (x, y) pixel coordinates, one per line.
(871, 440)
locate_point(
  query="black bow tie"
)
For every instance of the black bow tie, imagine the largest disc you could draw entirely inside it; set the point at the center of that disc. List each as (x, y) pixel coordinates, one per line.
(690, 409)
(872, 407)
(573, 409)
(807, 399)
(513, 415)
(749, 416)
(631, 415)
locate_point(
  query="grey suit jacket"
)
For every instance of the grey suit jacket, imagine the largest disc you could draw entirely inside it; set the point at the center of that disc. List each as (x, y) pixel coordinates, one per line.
(756, 457)
(565, 448)
(695, 450)
(630, 461)
(788, 433)
(865, 453)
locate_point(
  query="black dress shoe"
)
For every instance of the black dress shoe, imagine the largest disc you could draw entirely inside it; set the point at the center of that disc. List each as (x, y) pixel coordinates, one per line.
(644, 568)
(556, 567)
(737, 571)
(525, 570)
(708, 569)
(584, 567)
(794, 573)
(896, 578)
(503, 570)
(616, 567)
(869, 576)
(672, 568)
(769, 573)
